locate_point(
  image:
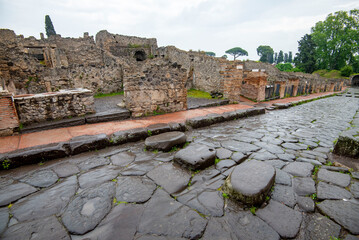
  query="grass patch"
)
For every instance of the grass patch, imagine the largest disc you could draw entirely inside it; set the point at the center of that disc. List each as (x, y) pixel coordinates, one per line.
(329, 74)
(193, 93)
(101, 95)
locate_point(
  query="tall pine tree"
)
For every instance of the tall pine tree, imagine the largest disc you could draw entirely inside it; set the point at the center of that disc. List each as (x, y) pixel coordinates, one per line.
(285, 57)
(50, 30)
(280, 57)
(290, 57)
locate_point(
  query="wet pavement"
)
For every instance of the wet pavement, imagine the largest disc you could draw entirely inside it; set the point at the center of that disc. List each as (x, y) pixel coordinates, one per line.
(128, 192)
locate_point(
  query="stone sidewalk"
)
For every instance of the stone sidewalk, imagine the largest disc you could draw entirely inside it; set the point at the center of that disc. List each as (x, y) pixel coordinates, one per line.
(27, 140)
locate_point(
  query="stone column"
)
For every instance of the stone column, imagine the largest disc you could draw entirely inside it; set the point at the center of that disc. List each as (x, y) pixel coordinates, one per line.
(282, 90)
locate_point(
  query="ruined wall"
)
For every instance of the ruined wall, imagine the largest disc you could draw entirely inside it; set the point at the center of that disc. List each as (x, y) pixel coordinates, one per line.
(232, 76)
(155, 86)
(8, 116)
(30, 65)
(254, 83)
(54, 105)
(203, 71)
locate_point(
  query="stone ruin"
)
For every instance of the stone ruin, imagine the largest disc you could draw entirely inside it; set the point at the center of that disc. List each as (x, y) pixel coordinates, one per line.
(154, 79)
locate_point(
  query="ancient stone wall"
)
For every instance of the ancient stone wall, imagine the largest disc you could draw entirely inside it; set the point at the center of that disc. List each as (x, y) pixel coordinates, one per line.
(8, 116)
(54, 105)
(155, 86)
(203, 71)
(254, 83)
(232, 76)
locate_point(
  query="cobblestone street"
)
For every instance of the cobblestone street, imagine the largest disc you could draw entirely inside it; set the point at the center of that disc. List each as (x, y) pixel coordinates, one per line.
(128, 192)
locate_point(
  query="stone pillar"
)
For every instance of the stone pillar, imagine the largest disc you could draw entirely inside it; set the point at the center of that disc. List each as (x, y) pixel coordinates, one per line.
(282, 90)
(232, 76)
(8, 116)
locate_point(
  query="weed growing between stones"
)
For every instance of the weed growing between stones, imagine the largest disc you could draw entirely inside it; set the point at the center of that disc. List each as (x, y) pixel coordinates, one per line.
(253, 210)
(149, 133)
(225, 195)
(217, 160)
(6, 164)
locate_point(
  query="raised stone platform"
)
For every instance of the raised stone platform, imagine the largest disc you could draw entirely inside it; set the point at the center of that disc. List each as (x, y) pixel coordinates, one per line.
(250, 182)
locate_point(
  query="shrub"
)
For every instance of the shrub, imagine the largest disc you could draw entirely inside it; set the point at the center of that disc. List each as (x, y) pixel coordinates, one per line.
(346, 71)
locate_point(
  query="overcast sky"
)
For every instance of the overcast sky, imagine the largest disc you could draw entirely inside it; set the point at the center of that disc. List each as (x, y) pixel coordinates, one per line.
(210, 25)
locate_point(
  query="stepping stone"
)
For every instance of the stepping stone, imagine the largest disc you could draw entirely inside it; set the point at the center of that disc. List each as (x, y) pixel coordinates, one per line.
(328, 191)
(343, 212)
(250, 182)
(122, 159)
(299, 169)
(306, 204)
(336, 178)
(196, 156)
(45, 203)
(97, 176)
(166, 217)
(171, 177)
(45, 228)
(304, 186)
(165, 141)
(13, 192)
(134, 189)
(281, 218)
(88, 208)
(120, 223)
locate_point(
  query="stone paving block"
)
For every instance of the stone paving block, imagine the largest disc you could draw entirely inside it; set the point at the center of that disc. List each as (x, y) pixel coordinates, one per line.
(281, 218)
(317, 226)
(134, 189)
(304, 186)
(162, 173)
(354, 189)
(13, 192)
(328, 191)
(43, 178)
(250, 182)
(122, 159)
(165, 141)
(306, 204)
(282, 177)
(223, 153)
(97, 176)
(196, 156)
(336, 178)
(65, 170)
(225, 164)
(4, 218)
(284, 194)
(299, 169)
(242, 147)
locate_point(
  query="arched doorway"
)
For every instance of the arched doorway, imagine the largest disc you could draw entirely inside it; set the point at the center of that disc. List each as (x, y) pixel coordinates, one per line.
(140, 55)
(355, 81)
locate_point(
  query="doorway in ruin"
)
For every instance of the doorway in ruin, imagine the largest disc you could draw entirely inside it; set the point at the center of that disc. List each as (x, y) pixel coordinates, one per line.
(355, 81)
(140, 55)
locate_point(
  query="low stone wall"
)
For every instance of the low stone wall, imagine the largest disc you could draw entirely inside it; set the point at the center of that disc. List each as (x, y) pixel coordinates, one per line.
(155, 86)
(54, 105)
(8, 117)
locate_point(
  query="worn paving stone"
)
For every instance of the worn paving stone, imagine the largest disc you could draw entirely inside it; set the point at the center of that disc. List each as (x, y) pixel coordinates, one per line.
(242, 147)
(317, 226)
(250, 182)
(312, 161)
(282, 177)
(122, 159)
(350, 237)
(223, 153)
(97, 176)
(134, 189)
(354, 189)
(196, 156)
(166, 217)
(299, 169)
(65, 170)
(281, 218)
(164, 157)
(304, 186)
(88, 208)
(205, 201)
(306, 204)
(241, 225)
(355, 175)
(263, 156)
(92, 162)
(270, 147)
(286, 157)
(47, 202)
(238, 157)
(46, 228)
(165, 141)
(284, 194)
(205, 176)
(156, 237)
(13, 192)
(328, 191)
(87, 143)
(4, 219)
(139, 168)
(336, 178)
(161, 175)
(294, 146)
(43, 178)
(343, 212)
(278, 164)
(120, 223)
(225, 164)
(316, 153)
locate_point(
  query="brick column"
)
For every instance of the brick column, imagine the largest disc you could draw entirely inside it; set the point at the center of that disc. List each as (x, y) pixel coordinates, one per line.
(232, 76)
(282, 90)
(8, 116)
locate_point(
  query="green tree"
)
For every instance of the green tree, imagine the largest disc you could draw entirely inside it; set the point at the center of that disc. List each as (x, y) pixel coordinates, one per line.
(285, 67)
(290, 57)
(280, 57)
(346, 71)
(225, 56)
(236, 52)
(285, 57)
(337, 39)
(265, 53)
(50, 30)
(212, 54)
(305, 58)
(275, 57)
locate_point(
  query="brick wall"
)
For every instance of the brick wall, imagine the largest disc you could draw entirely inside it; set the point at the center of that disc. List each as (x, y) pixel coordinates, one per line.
(8, 116)
(254, 83)
(232, 76)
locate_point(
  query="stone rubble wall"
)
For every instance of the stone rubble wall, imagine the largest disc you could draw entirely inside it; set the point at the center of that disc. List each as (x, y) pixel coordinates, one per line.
(54, 105)
(155, 86)
(8, 116)
(253, 85)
